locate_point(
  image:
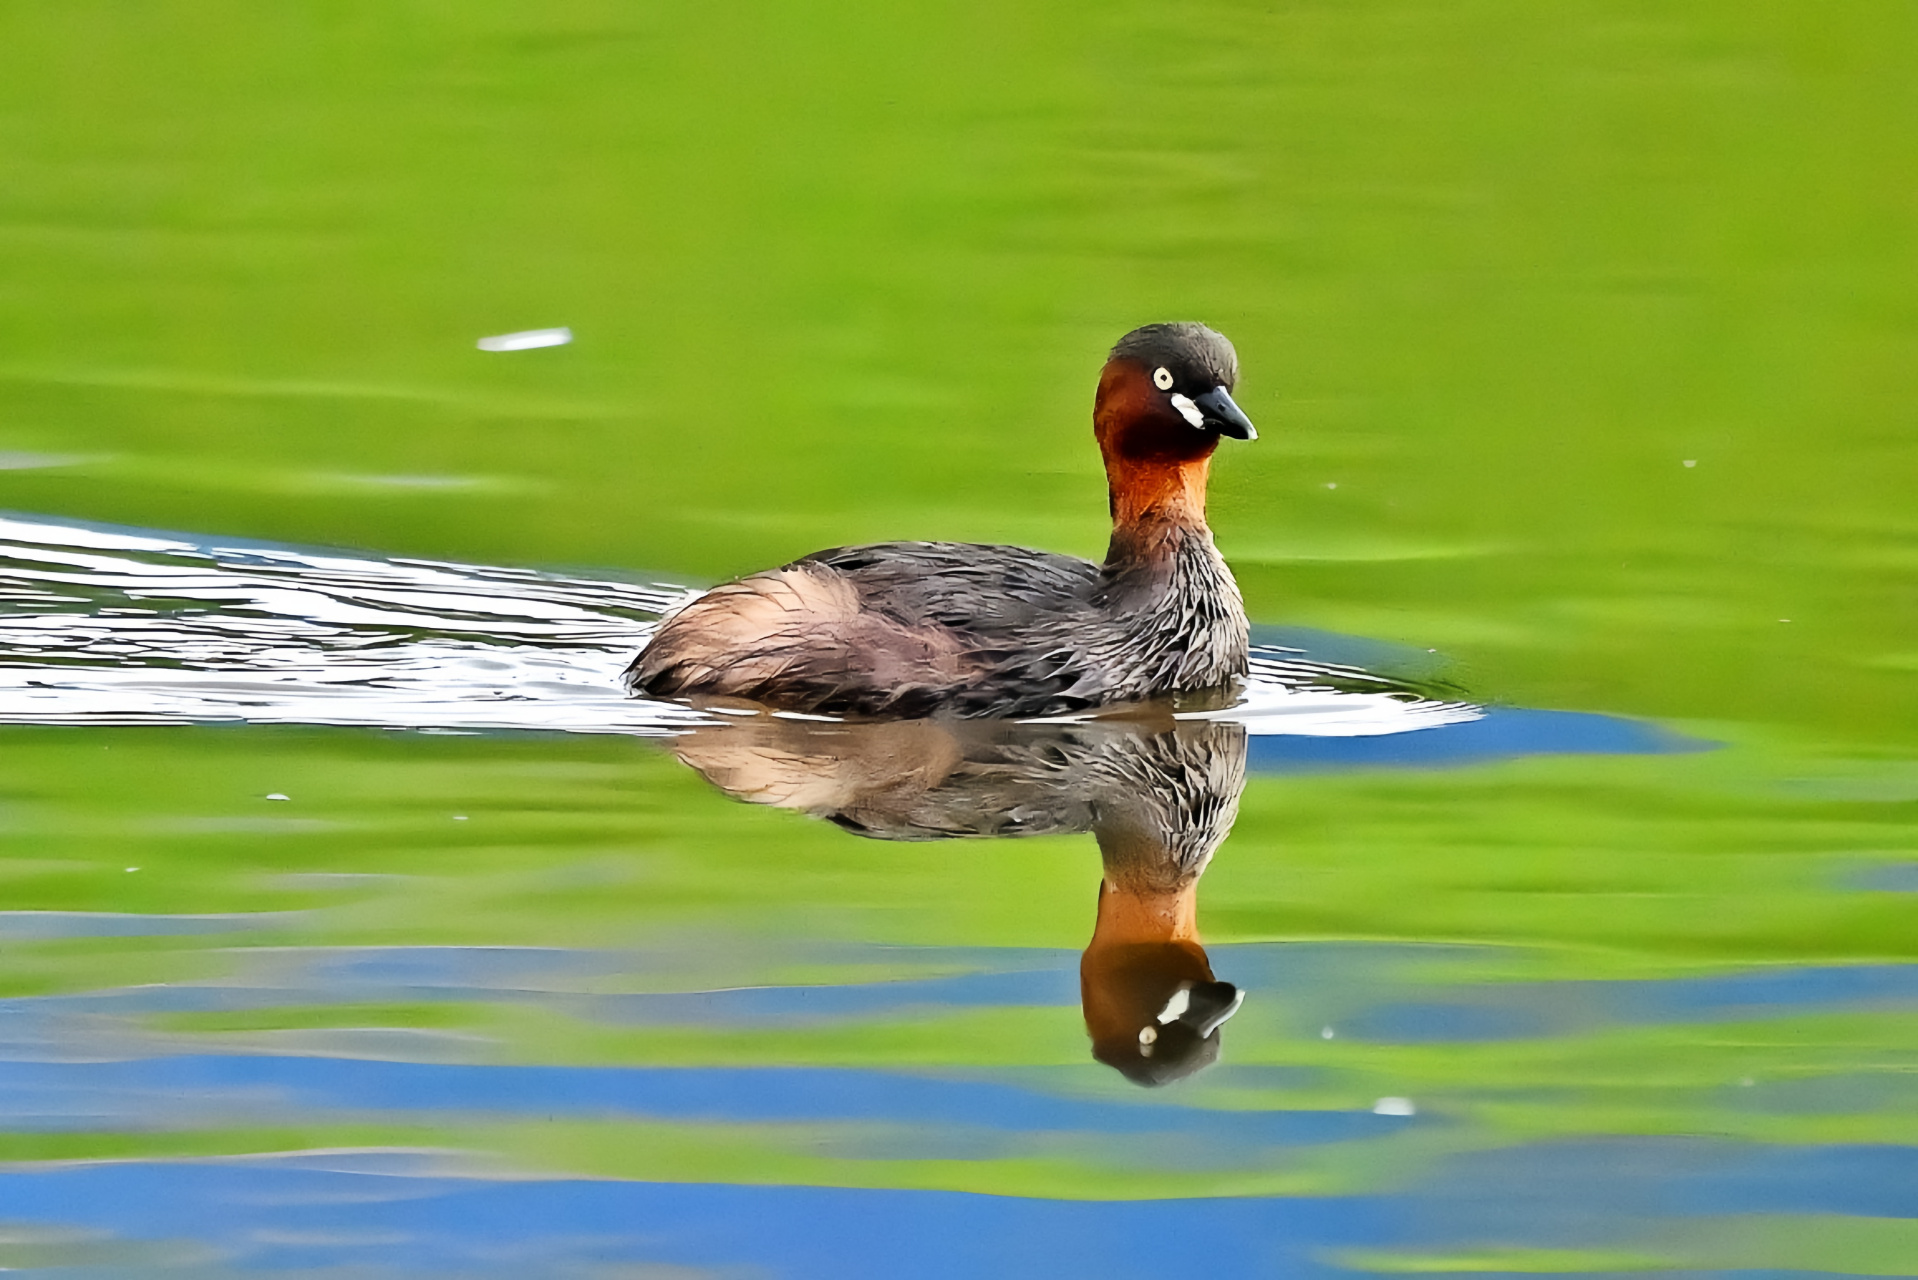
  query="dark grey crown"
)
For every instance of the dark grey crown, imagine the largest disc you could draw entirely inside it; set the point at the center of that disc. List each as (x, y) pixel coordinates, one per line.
(1198, 357)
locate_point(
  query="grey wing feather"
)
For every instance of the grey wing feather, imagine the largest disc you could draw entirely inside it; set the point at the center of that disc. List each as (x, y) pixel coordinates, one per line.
(979, 588)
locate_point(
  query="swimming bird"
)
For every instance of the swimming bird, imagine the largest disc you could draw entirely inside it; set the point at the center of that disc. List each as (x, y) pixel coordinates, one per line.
(904, 629)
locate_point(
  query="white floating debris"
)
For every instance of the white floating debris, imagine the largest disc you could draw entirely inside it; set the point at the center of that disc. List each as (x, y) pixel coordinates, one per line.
(133, 868)
(1394, 1107)
(459, 817)
(277, 796)
(526, 340)
(1746, 1083)
(1331, 484)
(1691, 462)
(16, 460)
(1326, 1033)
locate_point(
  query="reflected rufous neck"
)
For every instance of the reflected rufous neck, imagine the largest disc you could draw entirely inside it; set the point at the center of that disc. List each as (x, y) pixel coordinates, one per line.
(1142, 946)
(1130, 914)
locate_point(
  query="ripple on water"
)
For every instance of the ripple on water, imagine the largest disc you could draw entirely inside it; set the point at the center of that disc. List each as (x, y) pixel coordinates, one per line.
(102, 625)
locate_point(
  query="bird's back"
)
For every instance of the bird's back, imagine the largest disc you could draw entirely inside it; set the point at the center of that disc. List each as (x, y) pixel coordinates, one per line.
(893, 628)
(970, 587)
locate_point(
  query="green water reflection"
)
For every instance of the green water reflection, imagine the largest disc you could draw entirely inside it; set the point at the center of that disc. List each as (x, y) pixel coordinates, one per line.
(1583, 342)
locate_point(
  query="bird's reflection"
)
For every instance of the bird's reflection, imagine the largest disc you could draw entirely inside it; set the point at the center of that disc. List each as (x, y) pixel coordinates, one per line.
(1159, 796)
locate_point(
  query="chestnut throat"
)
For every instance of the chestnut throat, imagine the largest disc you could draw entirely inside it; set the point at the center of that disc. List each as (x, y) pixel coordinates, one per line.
(1156, 504)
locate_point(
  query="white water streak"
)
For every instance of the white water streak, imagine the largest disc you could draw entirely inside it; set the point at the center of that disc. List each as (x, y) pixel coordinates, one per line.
(107, 626)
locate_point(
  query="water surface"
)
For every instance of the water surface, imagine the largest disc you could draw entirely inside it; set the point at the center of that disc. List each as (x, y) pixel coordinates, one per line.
(353, 921)
(351, 991)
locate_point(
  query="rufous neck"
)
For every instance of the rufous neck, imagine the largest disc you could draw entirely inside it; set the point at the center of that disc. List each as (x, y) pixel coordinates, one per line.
(1156, 507)
(1157, 492)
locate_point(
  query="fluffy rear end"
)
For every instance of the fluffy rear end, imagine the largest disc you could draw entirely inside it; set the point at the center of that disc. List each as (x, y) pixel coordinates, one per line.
(796, 639)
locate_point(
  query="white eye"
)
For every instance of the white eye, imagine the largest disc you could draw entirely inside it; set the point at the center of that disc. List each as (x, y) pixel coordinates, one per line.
(1162, 379)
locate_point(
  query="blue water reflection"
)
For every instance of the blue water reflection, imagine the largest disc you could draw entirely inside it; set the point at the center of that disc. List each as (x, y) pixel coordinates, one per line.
(1501, 733)
(1362, 989)
(412, 1214)
(259, 1089)
(288, 1216)
(1897, 877)
(1563, 1008)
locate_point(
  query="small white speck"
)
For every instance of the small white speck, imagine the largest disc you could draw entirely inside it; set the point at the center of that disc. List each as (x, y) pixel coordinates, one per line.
(1326, 1033)
(13, 461)
(1746, 1083)
(526, 340)
(1784, 619)
(277, 796)
(1331, 484)
(133, 868)
(1691, 462)
(459, 817)
(1394, 1107)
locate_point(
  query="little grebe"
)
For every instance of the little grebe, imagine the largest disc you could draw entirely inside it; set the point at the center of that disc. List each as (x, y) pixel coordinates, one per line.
(923, 628)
